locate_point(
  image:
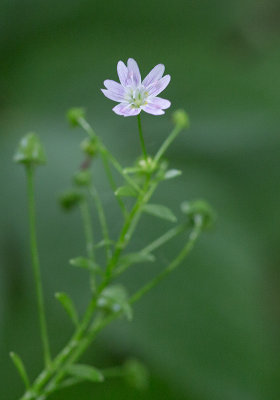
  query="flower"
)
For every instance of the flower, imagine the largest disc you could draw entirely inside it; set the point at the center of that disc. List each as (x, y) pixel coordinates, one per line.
(134, 95)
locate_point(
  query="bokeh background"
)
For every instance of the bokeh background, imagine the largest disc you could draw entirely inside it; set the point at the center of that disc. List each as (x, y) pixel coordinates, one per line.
(211, 331)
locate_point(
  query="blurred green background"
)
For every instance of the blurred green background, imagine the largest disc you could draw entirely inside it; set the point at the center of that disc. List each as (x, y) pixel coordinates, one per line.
(211, 331)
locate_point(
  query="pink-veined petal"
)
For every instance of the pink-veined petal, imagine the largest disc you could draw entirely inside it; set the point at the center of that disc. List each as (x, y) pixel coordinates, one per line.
(154, 75)
(122, 72)
(159, 102)
(133, 72)
(158, 86)
(126, 110)
(112, 96)
(114, 87)
(149, 108)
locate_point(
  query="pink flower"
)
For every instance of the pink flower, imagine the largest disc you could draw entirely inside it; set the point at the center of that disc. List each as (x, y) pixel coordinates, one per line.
(134, 95)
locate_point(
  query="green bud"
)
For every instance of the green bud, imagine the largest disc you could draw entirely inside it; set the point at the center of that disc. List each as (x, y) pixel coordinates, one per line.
(74, 114)
(30, 150)
(136, 374)
(199, 208)
(89, 147)
(70, 199)
(181, 118)
(83, 177)
(147, 165)
(115, 299)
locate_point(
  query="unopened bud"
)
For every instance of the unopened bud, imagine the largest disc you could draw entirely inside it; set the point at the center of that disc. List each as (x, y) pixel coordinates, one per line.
(30, 150)
(83, 178)
(181, 118)
(70, 199)
(199, 210)
(74, 114)
(89, 147)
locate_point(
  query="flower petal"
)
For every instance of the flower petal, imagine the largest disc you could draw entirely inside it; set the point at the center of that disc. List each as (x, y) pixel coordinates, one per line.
(112, 96)
(122, 72)
(158, 86)
(154, 75)
(114, 87)
(126, 110)
(151, 109)
(159, 102)
(133, 72)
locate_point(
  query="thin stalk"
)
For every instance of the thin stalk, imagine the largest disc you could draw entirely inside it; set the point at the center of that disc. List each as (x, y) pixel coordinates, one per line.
(86, 217)
(102, 219)
(141, 137)
(36, 265)
(177, 129)
(174, 264)
(112, 182)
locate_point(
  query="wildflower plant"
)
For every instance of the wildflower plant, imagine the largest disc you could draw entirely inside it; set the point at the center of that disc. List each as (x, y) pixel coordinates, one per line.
(109, 300)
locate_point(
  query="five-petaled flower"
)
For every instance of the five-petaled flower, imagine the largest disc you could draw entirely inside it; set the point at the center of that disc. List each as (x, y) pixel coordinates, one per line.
(134, 95)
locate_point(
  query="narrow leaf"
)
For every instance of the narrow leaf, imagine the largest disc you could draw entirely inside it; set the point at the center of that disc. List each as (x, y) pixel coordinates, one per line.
(104, 243)
(133, 258)
(21, 368)
(172, 173)
(160, 211)
(126, 191)
(85, 372)
(69, 307)
(82, 262)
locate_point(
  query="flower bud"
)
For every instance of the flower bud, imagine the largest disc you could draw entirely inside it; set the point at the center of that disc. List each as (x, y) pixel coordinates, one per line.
(199, 209)
(70, 199)
(74, 114)
(83, 177)
(181, 119)
(89, 147)
(147, 165)
(136, 374)
(30, 150)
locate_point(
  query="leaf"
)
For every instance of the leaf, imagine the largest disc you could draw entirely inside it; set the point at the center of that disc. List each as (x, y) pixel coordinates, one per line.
(21, 368)
(82, 262)
(104, 243)
(85, 372)
(126, 191)
(68, 305)
(160, 211)
(172, 173)
(133, 258)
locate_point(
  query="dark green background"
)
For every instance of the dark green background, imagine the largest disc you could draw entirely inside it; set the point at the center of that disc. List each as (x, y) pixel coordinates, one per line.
(211, 331)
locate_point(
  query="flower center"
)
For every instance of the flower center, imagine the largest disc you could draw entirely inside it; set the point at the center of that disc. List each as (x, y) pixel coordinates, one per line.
(137, 97)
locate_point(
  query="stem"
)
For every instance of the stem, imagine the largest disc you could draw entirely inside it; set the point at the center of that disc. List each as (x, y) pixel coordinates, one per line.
(167, 142)
(141, 137)
(112, 182)
(89, 237)
(93, 191)
(36, 264)
(184, 252)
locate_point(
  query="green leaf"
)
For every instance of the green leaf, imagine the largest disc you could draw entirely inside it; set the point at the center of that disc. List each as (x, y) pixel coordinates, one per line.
(82, 262)
(160, 211)
(85, 372)
(172, 173)
(133, 258)
(115, 299)
(21, 368)
(104, 243)
(126, 191)
(30, 150)
(68, 305)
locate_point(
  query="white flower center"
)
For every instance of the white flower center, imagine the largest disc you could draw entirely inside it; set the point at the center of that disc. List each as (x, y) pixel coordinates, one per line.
(137, 97)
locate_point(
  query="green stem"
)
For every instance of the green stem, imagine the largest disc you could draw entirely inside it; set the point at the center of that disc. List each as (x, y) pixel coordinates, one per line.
(86, 217)
(141, 137)
(36, 264)
(167, 143)
(112, 182)
(101, 214)
(184, 252)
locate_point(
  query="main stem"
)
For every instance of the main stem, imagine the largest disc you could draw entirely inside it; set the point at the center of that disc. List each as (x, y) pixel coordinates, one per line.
(36, 264)
(141, 137)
